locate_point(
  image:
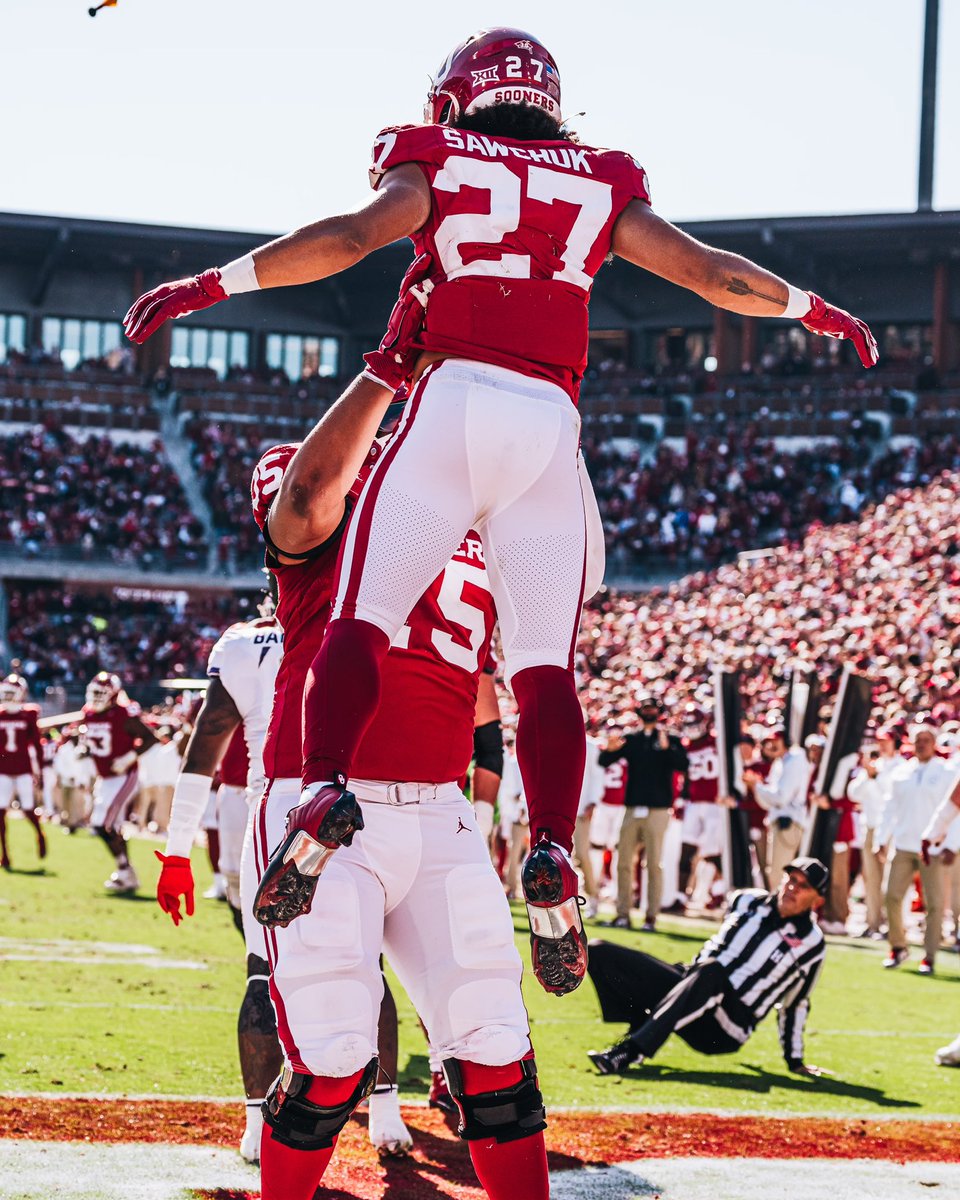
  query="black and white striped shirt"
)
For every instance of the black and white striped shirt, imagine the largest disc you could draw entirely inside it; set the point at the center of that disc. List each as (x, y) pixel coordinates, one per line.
(770, 961)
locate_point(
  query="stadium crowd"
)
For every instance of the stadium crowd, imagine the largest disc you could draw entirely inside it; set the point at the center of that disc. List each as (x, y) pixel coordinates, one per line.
(95, 494)
(880, 594)
(726, 494)
(61, 635)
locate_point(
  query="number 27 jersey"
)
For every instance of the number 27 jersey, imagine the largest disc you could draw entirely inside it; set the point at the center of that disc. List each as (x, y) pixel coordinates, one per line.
(516, 233)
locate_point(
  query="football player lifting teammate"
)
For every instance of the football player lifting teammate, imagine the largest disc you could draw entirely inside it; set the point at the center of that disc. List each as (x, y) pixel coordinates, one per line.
(418, 881)
(114, 736)
(512, 219)
(21, 759)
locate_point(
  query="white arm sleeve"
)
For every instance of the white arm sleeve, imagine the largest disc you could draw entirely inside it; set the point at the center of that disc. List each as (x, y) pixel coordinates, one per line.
(189, 800)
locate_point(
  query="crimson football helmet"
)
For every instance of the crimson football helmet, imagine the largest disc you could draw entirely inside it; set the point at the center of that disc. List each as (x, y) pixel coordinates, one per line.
(267, 477)
(13, 690)
(494, 66)
(103, 690)
(269, 471)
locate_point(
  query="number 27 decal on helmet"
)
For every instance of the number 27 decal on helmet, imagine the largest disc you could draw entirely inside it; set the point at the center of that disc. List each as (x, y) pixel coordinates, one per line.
(494, 66)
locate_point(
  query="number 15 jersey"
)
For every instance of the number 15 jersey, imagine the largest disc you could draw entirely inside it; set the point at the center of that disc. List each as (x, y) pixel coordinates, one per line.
(516, 233)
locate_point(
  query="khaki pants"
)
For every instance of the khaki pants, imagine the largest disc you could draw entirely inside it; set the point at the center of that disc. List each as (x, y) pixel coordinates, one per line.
(902, 870)
(951, 881)
(141, 807)
(872, 872)
(783, 847)
(74, 805)
(581, 850)
(649, 832)
(519, 845)
(162, 803)
(837, 907)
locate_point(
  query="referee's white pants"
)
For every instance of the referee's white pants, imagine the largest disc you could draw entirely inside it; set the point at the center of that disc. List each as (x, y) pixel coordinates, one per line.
(485, 448)
(417, 883)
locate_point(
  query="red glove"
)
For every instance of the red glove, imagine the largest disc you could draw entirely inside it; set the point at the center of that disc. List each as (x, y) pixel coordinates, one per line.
(396, 356)
(171, 300)
(176, 880)
(833, 322)
(925, 852)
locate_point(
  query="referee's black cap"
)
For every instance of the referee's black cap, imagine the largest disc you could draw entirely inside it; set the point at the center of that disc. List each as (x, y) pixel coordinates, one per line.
(813, 870)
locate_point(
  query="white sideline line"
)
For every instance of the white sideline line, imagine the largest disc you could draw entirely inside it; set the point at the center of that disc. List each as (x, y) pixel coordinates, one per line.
(151, 1171)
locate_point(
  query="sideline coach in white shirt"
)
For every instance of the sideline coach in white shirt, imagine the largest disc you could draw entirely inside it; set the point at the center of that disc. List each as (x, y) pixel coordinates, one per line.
(916, 792)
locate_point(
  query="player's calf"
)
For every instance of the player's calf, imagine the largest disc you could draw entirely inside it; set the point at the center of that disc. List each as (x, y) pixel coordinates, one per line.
(502, 1119)
(558, 944)
(326, 818)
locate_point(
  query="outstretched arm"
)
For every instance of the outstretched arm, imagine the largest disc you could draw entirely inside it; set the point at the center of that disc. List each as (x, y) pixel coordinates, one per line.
(398, 208)
(310, 502)
(728, 280)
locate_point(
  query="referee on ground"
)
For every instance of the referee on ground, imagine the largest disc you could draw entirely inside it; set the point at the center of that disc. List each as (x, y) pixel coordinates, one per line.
(768, 952)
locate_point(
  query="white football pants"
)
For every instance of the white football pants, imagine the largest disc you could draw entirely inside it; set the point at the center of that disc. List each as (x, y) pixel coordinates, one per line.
(418, 885)
(485, 448)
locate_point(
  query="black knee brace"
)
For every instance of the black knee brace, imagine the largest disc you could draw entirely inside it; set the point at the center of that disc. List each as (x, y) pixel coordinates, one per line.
(298, 1122)
(506, 1115)
(488, 747)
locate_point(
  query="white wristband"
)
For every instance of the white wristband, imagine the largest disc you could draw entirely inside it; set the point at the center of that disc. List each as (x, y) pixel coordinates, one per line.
(239, 276)
(189, 800)
(798, 303)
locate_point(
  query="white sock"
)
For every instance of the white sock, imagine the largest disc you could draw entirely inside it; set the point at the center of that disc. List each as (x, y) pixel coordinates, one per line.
(385, 1101)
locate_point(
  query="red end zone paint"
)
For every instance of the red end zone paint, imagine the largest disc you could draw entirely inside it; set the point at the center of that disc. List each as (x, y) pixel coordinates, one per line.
(441, 1161)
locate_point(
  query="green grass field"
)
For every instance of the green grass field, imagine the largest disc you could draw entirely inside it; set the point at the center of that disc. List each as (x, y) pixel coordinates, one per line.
(104, 994)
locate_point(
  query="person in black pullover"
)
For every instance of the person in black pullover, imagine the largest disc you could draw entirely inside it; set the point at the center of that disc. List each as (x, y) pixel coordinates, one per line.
(653, 757)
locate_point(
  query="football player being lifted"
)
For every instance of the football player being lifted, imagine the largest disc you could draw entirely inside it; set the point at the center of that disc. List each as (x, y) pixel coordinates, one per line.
(21, 760)
(115, 736)
(512, 219)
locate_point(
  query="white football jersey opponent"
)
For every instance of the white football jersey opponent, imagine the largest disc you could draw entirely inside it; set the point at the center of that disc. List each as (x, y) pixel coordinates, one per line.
(246, 660)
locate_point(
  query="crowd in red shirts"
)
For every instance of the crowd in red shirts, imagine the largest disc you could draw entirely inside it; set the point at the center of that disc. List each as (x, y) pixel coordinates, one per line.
(98, 495)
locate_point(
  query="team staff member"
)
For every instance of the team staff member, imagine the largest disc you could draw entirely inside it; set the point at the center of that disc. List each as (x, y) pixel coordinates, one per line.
(870, 789)
(917, 790)
(768, 953)
(652, 757)
(784, 795)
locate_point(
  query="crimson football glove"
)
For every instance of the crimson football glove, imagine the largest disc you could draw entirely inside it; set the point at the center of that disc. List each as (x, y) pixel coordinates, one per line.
(832, 322)
(393, 361)
(171, 300)
(176, 880)
(925, 852)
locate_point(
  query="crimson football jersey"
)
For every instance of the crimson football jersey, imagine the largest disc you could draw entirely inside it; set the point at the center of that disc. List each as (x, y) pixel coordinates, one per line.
(423, 730)
(106, 737)
(703, 771)
(235, 762)
(304, 600)
(756, 814)
(615, 784)
(516, 233)
(19, 735)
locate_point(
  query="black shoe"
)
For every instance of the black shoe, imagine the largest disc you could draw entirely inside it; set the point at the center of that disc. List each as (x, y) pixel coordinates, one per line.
(617, 923)
(617, 1059)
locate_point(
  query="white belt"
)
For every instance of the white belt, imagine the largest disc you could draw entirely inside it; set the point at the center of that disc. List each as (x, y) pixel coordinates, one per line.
(374, 791)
